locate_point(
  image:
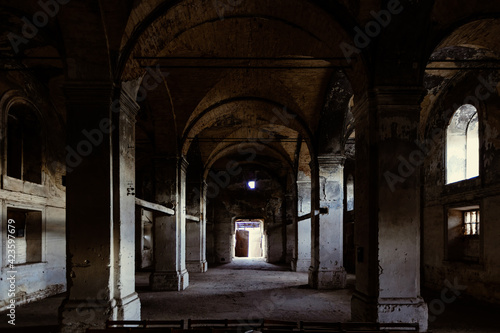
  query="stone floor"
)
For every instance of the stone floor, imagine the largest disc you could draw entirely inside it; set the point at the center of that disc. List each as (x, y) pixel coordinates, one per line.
(251, 289)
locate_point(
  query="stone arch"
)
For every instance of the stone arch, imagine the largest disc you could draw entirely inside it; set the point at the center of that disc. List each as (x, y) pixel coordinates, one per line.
(233, 149)
(258, 106)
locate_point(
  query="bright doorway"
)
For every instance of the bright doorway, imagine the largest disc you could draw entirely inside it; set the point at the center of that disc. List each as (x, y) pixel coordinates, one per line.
(249, 240)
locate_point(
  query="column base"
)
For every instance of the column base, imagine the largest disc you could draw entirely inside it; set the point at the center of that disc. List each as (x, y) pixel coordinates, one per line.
(389, 310)
(300, 265)
(403, 310)
(293, 265)
(163, 281)
(327, 279)
(76, 316)
(197, 266)
(128, 308)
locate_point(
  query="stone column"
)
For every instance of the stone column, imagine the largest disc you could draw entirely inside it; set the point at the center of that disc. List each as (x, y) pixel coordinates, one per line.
(100, 209)
(327, 271)
(170, 231)
(302, 251)
(387, 228)
(197, 236)
(291, 222)
(123, 138)
(203, 227)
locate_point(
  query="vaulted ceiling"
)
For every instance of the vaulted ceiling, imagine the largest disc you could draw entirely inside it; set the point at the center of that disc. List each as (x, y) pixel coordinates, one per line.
(257, 81)
(252, 78)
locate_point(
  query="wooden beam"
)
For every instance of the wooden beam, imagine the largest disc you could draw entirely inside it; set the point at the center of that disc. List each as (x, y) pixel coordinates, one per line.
(193, 218)
(304, 217)
(154, 207)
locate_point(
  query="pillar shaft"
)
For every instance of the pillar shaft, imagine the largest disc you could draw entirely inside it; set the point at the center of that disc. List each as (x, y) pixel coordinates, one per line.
(123, 138)
(291, 223)
(170, 231)
(203, 222)
(387, 228)
(327, 271)
(196, 232)
(99, 214)
(302, 252)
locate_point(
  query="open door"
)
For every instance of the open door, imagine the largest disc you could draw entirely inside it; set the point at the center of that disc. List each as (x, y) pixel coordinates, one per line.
(242, 243)
(249, 239)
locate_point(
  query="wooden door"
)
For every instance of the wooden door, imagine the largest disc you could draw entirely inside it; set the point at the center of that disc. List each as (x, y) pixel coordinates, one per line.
(242, 237)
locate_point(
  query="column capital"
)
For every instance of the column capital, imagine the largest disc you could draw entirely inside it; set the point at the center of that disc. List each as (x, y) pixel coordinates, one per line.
(183, 163)
(303, 177)
(331, 160)
(398, 101)
(128, 105)
(398, 95)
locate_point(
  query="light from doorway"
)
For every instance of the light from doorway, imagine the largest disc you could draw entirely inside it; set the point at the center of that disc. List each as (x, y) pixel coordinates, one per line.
(249, 239)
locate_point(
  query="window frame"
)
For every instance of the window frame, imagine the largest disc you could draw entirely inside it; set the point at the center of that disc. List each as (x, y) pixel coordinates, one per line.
(33, 208)
(13, 99)
(445, 147)
(451, 254)
(477, 223)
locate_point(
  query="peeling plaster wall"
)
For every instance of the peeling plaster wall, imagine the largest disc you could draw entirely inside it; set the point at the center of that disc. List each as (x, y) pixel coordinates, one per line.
(47, 277)
(235, 201)
(35, 281)
(194, 237)
(291, 214)
(348, 242)
(480, 277)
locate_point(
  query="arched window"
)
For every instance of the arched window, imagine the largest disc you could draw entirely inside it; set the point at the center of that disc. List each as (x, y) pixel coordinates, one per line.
(462, 145)
(24, 146)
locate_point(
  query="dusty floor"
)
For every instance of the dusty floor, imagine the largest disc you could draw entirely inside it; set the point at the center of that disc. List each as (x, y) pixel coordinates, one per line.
(253, 289)
(246, 290)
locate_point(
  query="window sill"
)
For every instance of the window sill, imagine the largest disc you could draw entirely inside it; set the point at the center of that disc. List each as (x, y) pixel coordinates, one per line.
(28, 264)
(17, 185)
(471, 237)
(462, 185)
